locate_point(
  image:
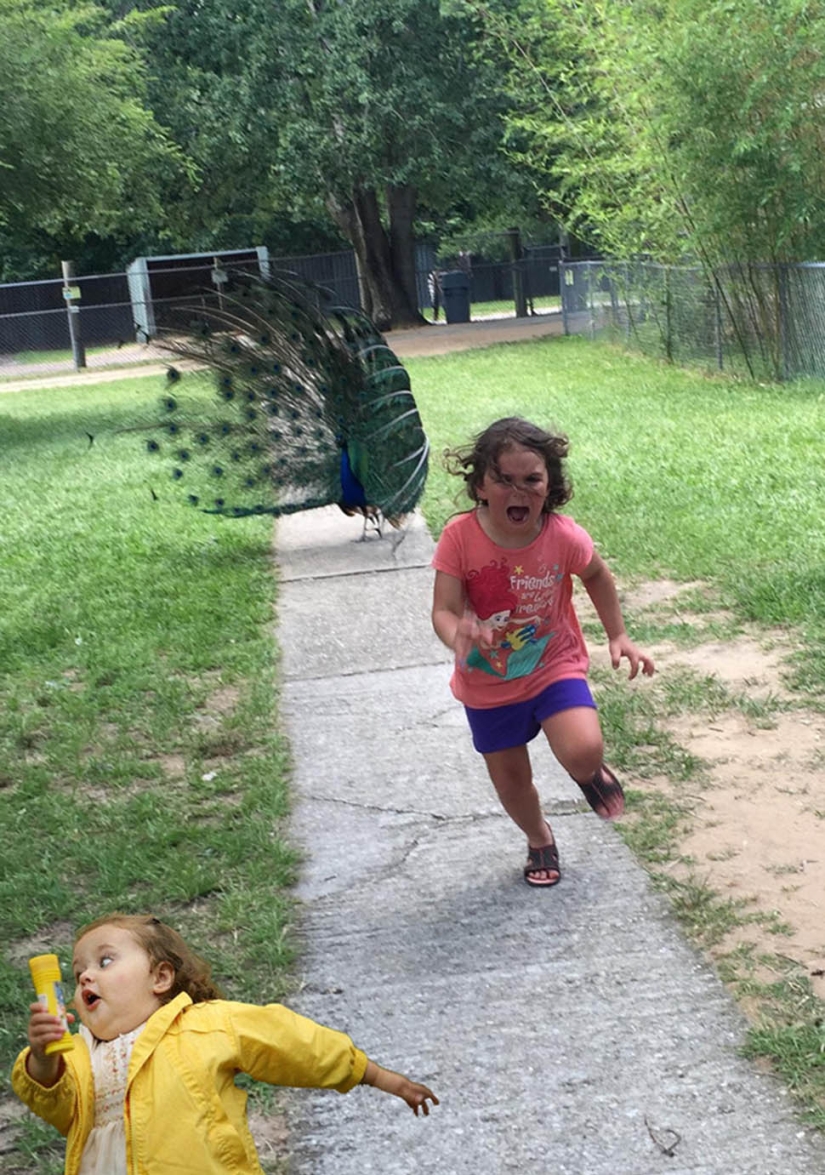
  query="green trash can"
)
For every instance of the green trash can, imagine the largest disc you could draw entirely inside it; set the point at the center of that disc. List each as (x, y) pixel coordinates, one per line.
(455, 294)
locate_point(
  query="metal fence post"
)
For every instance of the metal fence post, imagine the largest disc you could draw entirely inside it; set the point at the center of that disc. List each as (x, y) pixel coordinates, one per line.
(784, 346)
(72, 295)
(563, 287)
(514, 239)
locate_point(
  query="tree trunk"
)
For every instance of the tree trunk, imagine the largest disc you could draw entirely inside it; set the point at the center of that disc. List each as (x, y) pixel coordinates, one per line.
(401, 202)
(386, 262)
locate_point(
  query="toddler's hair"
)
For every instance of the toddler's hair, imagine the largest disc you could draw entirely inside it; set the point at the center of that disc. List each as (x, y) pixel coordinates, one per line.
(474, 461)
(164, 945)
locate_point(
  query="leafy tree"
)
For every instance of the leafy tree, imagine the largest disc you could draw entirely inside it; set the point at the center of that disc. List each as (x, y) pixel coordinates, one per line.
(79, 150)
(364, 111)
(680, 129)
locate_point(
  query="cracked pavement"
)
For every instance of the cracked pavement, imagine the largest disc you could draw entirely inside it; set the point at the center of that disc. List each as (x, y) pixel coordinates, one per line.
(572, 1029)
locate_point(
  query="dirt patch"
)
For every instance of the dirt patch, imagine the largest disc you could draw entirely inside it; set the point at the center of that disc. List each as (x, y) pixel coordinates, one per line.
(757, 831)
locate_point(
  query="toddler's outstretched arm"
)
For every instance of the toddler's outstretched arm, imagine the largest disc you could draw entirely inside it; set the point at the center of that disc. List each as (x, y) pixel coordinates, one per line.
(601, 588)
(416, 1096)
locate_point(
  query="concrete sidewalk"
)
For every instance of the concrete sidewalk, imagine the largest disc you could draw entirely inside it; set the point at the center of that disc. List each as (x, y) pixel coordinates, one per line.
(571, 1031)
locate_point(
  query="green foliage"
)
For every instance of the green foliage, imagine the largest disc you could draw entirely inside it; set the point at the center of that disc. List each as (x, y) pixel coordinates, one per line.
(677, 129)
(79, 150)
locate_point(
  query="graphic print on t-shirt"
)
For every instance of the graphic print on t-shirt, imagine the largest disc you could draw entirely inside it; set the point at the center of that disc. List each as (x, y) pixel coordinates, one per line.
(518, 608)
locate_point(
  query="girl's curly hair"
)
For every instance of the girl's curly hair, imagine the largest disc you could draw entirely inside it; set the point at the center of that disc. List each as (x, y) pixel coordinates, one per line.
(474, 461)
(164, 945)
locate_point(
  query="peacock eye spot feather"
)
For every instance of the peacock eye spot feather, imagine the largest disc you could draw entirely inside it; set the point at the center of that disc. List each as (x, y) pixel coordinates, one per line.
(193, 499)
(173, 429)
(170, 403)
(251, 397)
(298, 389)
(254, 449)
(177, 474)
(217, 471)
(294, 414)
(272, 409)
(251, 414)
(220, 503)
(225, 429)
(277, 435)
(227, 394)
(249, 482)
(235, 455)
(184, 455)
(153, 446)
(202, 438)
(264, 340)
(276, 369)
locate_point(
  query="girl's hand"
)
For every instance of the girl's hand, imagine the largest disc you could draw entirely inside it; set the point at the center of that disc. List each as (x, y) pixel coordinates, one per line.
(470, 632)
(415, 1095)
(44, 1028)
(623, 646)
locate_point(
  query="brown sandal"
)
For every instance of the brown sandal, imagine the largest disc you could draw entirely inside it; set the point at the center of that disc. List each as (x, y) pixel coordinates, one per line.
(544, 859)
(603, 787)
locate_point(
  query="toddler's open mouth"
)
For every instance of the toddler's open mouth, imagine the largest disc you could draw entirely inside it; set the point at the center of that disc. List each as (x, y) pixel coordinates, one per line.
(90, 998)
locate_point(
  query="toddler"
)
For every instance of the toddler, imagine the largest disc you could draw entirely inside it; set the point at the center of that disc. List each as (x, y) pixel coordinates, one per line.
(150, 1084)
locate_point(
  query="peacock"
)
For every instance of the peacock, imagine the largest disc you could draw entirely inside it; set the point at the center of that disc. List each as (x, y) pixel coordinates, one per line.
(310, 406)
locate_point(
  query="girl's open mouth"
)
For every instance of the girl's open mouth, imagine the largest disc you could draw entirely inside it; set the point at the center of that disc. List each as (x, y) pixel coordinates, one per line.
(90, 998)
(517, 513)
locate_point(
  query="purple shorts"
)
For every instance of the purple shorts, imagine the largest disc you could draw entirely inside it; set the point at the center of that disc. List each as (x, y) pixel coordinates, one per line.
(502, 727)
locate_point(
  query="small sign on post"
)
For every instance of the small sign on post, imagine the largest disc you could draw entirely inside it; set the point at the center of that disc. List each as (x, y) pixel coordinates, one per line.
(71, 296)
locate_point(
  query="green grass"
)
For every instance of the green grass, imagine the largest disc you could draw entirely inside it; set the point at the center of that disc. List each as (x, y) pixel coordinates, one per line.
(58, 355)
(675, 473)
(141, 764)
(503, 308)
(696, 478)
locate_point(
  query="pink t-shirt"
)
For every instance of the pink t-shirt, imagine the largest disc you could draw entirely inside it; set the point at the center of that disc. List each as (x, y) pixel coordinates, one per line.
(526, 593)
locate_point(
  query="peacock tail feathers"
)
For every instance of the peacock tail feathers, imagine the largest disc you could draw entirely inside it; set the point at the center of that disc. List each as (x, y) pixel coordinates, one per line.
(309, 406)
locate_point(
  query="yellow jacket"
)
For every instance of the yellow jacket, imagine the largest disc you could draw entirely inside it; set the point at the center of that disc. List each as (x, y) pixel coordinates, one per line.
(183, 1113)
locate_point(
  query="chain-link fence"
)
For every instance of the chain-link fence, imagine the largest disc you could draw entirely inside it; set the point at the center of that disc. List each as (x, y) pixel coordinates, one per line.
(116, 320)
(503, 274)
(763, 321)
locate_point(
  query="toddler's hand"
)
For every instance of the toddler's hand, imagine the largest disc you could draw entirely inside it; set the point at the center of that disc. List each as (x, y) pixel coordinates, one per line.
(415, 1095)
(44, 1028)
(623, 646)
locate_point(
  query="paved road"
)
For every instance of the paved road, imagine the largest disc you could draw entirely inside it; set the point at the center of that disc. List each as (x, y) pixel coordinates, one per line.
(571, 1031)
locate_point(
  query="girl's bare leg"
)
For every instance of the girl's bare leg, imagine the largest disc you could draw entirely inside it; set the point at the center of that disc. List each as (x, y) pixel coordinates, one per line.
(512, 778)
(575, 738)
